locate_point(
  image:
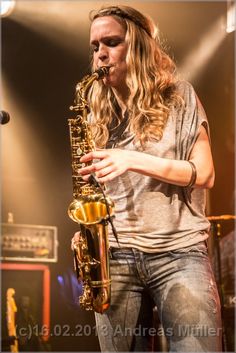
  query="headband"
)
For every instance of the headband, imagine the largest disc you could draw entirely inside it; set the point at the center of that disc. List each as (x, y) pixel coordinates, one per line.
(116, 11)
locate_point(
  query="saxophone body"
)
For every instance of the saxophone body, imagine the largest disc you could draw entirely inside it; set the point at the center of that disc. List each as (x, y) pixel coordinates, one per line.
(90, 208)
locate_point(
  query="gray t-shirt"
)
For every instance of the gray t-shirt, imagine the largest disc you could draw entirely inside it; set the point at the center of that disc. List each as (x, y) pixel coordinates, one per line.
(151, 215)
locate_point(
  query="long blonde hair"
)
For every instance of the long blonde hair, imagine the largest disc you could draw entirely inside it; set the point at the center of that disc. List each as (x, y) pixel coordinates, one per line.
(151, 80)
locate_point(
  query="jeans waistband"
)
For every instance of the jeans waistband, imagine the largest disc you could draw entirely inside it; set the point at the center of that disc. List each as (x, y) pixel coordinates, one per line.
(126, 250)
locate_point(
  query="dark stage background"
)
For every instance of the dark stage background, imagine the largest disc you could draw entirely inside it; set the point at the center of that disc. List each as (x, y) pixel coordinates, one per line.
(44, 53)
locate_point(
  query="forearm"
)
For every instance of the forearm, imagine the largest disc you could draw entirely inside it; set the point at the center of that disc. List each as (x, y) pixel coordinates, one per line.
(179, 172)
(176, 172)
(167, 170)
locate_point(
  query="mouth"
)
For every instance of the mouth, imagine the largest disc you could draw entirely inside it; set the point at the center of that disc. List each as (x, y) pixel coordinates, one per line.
(111, 69)
(108, 66)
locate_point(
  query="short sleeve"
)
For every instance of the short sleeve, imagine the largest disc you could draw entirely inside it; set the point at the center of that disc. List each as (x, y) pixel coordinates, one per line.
(188, 121)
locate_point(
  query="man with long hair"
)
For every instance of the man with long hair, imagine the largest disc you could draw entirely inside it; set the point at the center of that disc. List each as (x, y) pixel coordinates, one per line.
(154, 157)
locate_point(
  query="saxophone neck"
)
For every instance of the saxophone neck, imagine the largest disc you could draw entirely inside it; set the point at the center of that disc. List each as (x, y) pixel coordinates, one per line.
(84, 86)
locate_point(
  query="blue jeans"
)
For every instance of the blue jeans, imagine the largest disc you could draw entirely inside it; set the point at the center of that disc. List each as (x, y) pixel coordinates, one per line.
(179, 283)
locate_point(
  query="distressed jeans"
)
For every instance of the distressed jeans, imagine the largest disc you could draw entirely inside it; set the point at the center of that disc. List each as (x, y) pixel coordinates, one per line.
(179, 283)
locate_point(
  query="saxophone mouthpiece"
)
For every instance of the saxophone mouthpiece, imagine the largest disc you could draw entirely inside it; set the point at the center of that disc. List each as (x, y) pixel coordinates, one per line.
(102, 71)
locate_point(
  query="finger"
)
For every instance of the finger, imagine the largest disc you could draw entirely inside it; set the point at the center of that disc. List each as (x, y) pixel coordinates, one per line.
(86, 177)
(87, 170)
(108, 177)
(76, 236)
(99, 175)
(94, 167)
(74, 240)
(103, 179)
(103, 172)
(93, 155)
(104, 163)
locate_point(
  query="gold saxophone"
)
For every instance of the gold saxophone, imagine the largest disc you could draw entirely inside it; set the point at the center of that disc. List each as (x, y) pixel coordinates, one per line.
(90, 208)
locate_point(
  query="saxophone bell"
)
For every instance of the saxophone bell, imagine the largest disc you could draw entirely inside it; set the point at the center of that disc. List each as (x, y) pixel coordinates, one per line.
(91, 210)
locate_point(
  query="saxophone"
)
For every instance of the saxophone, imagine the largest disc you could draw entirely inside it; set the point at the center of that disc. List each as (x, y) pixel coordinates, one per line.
(90, 208)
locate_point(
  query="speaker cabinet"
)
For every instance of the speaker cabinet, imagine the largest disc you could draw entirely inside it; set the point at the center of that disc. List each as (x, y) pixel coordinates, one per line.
(31, 283)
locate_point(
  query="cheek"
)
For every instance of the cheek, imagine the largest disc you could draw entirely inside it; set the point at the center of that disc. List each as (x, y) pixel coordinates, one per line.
(122, 56)
(118, 55)
(94, 58)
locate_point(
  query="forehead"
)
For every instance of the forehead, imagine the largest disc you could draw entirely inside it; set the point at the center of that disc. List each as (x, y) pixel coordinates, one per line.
(106, 26)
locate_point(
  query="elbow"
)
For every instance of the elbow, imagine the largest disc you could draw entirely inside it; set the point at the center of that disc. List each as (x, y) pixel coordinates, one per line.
(206, 181)
(210, 182)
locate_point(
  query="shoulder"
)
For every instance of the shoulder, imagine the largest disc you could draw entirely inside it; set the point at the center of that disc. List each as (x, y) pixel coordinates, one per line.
(185, 90)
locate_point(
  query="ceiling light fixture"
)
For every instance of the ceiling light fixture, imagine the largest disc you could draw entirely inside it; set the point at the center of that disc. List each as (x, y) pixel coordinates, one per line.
(6, 7)
(231, 15)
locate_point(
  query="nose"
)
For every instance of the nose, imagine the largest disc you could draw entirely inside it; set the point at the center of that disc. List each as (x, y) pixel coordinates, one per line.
(102, 53)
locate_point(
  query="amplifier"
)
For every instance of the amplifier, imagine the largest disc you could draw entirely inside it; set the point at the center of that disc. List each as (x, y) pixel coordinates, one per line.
(25, 242)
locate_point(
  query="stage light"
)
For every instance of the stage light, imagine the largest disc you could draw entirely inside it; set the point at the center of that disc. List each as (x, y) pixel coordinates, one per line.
(56, 20)
(6, 7)
(203, 51)
(60, 279)
(231, 16)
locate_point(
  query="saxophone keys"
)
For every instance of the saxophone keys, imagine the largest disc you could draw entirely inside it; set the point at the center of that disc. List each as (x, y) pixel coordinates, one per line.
(79, 151)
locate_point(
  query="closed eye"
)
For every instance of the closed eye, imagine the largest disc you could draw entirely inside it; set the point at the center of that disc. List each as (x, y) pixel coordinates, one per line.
(108, 41)
(113, 42)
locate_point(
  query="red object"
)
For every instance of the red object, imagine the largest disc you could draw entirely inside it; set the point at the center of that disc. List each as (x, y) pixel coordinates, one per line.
(46, 290)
